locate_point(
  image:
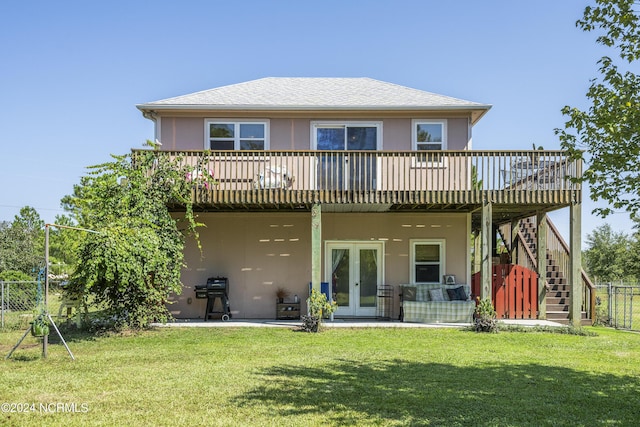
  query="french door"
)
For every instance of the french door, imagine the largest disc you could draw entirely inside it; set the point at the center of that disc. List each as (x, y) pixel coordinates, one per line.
(354, 271)
(354, 169)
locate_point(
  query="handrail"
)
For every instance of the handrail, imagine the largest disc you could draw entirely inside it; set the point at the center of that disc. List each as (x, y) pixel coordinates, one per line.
(532, 259)
(585, 279)
(445, 170)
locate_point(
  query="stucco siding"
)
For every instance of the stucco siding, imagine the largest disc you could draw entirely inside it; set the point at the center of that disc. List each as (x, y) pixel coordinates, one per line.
(188, 133)
(290, 134)
(260, 252)
(182, 133)
(458, 134)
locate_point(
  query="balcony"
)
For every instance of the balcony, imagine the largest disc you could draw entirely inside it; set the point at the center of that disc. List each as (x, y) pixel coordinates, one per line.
(513, 181)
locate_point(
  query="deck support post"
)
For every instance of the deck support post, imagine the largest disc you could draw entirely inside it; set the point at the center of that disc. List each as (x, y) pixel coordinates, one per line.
(316, 246)
(541, 257)
(575, 263)
(515, 228)
(486, 251)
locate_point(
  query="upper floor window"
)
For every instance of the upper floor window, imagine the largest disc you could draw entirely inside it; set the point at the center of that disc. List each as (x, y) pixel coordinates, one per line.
(236, 135)
(429, 135)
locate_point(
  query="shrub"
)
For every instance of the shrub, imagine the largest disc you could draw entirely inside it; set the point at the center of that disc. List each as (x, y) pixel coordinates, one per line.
(319, 306)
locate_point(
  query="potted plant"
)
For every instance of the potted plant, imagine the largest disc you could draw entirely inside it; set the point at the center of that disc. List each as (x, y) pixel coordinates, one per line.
(485, 316)
(40, 326)
(281, 294)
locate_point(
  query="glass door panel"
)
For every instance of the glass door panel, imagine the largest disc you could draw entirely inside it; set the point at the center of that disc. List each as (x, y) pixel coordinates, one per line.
(368, 277)
(362, 166)
(352, 170)
(341, 277)
(356, 272)
(331, 166)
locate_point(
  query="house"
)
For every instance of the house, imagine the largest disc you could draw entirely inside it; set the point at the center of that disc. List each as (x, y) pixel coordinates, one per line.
(357, 183)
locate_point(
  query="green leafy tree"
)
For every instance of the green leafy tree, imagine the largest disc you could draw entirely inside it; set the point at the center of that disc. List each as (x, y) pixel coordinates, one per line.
(606, 258)
(15, 276)
(64, 245)
(132, 262)
(22, 242)
(632, 267)
(607, 135)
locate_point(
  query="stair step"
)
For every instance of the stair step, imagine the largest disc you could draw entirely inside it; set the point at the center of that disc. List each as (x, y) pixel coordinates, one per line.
(557, 308)
(558, 294)
(554, 315)
(557, 301)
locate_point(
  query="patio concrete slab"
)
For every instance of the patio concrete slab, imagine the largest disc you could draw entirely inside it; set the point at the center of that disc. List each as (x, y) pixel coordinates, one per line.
(337, 323)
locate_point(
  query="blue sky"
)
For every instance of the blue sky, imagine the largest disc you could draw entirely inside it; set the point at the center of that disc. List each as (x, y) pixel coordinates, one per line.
(72, 71)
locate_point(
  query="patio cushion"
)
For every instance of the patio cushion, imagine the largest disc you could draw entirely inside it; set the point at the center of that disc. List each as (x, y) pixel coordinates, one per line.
(457, 294)
(408, 293)
(436, 294)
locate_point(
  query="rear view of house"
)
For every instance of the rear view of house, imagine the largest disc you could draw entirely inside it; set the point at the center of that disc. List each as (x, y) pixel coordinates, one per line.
(356, 183)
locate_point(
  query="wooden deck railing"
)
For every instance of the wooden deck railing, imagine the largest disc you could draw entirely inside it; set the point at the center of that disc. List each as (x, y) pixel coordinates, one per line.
(385, 176)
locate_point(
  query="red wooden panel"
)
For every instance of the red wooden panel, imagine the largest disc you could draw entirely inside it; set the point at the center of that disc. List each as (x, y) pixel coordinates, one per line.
(526, 288)
(533, 296)
(475, 284)
(517, 284)
(514, 291)
(499, 291)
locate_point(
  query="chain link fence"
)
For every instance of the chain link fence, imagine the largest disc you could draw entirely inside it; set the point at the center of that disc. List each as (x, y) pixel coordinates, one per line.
(19, 302)
(618, 305)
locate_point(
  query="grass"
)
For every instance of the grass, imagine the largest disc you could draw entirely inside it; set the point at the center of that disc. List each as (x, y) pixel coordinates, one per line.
(279, 377)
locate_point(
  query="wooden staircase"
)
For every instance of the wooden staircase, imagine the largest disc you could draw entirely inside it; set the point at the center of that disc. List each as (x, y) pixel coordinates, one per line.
(558, 289)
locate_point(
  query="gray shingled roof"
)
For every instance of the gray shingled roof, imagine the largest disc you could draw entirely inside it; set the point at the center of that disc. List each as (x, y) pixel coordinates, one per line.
(288, 93)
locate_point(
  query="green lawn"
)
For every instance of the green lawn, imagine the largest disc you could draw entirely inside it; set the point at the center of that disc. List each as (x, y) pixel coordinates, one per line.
(279, 377)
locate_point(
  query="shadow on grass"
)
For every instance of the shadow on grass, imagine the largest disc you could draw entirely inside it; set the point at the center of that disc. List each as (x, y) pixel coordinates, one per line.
(403, 393)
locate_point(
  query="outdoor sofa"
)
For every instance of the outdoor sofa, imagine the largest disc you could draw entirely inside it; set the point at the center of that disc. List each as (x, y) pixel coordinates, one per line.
(437, 303)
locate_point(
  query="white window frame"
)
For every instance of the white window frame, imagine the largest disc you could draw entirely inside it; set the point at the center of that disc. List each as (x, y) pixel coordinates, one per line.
(414, 141)
(441, 243)
(237, 138)
(340, 124)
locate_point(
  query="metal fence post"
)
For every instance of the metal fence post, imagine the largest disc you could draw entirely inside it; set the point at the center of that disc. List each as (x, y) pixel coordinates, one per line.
(610, 303)
(631, 309)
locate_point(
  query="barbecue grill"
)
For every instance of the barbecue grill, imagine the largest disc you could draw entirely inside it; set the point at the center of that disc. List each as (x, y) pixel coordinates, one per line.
(216, 288)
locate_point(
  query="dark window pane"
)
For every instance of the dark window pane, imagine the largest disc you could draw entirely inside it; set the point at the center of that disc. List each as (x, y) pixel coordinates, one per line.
(251, 145)
(251, 130)
(426, 147)
(429, 132)
(340, 276)
(361, 138)
(221, 145)
(330, 138)
(368, 277)
(221, 130)
(427, 273)
(427, 253)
